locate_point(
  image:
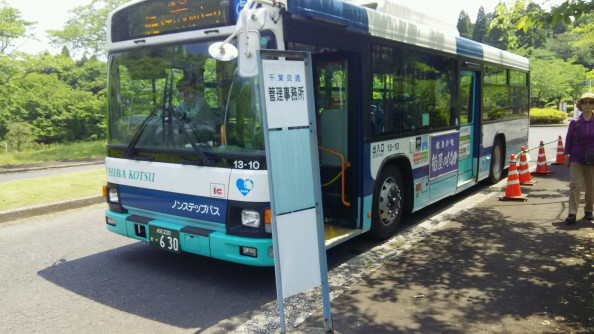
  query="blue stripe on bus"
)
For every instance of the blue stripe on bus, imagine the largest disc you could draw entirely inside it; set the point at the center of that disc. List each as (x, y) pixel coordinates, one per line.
(420, 172)
(195, 207)
(469, 48)
(354, 17)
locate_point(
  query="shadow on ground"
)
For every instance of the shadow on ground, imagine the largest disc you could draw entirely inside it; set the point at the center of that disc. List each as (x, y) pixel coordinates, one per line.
(184, 290)
(499, 267)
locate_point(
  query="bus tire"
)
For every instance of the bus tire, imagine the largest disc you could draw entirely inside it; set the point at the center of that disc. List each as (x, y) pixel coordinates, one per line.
(497, 160)
(388, 203)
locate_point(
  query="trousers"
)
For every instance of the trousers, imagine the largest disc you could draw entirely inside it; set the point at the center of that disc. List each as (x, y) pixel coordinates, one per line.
(580, 175)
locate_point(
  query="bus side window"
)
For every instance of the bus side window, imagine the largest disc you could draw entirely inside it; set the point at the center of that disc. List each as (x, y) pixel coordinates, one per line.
(387, 91)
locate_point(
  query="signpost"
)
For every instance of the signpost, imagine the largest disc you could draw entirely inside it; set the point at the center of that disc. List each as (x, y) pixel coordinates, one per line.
(286, 90)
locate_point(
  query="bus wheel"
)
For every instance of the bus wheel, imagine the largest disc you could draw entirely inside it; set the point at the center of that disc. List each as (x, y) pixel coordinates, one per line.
(388, 203)
(497, 161)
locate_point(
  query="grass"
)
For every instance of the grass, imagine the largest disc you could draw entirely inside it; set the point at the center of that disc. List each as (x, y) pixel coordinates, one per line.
(54, 188)
(50, 189)
(55, 152)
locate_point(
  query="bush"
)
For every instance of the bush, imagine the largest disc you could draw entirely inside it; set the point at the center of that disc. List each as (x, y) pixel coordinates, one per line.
(546, 116)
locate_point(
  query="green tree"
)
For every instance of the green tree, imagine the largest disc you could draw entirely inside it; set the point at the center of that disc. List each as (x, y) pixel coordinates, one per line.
(495, 36)
(517, 16)
(563, 46)
(536, 37)
(481, 26)
(19, 135)
(13, 65)
(12, 27)
(85, 31)
(63, 100)
(565, 12)
(555, 79)
(584, 31)
(464, 25)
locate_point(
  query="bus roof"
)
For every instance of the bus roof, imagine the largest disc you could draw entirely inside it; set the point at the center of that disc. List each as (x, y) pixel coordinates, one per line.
(392, 21)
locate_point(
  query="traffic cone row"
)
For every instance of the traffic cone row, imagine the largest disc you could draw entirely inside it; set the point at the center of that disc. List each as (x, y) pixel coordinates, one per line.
(560, 156)
(513, 191)
(541, 168)
(515, 178)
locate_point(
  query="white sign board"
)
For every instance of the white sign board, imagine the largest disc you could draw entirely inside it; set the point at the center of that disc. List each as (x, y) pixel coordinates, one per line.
(284, 89)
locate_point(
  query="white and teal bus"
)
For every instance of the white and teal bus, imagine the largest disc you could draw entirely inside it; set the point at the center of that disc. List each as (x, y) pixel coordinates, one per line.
(408, 113)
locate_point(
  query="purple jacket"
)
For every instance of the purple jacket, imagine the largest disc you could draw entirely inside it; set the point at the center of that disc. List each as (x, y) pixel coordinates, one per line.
(573, 144)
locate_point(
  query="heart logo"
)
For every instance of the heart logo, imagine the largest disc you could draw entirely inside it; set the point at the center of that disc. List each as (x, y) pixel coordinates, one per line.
(244, 186)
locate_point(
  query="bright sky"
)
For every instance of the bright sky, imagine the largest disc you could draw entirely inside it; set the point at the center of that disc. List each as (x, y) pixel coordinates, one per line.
(52, 14)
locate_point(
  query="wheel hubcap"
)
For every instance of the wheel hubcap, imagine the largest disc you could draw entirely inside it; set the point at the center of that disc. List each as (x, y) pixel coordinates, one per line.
(389, 201)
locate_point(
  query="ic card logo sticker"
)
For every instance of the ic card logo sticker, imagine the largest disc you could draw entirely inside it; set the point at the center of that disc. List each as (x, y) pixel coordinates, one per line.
(245, 186)
(217, 190)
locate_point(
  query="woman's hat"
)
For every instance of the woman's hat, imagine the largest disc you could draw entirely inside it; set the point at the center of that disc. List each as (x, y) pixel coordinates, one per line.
(585, 96)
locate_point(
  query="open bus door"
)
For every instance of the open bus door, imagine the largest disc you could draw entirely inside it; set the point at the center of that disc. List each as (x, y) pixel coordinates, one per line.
(333, 82)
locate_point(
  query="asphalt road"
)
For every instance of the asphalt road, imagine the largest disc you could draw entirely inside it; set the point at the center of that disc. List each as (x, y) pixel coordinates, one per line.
(65, 273)
(545, 134)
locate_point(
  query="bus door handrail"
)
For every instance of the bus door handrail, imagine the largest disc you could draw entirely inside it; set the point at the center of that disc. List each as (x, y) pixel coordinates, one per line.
(343, 166)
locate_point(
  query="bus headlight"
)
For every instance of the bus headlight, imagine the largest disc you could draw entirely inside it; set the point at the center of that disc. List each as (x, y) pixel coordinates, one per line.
(250, 218)
(113, 195)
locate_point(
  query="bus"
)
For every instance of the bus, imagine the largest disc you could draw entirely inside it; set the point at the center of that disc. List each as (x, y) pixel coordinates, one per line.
(408, 113)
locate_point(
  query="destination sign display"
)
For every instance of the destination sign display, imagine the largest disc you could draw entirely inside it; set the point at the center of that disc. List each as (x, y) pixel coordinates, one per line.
(161, 17)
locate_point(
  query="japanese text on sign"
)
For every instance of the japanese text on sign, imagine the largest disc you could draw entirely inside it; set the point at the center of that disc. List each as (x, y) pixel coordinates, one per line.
(444, 154)
(284, 93)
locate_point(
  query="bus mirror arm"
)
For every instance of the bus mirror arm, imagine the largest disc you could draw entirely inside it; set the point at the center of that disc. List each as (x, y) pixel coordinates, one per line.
(248, 36)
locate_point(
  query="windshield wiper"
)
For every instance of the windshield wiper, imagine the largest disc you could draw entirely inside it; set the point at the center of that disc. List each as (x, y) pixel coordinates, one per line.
(129, 152)
(182, 121)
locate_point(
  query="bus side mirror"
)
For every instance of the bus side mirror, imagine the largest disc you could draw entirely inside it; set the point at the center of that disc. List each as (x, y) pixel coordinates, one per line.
(248, 45)
(223, 51)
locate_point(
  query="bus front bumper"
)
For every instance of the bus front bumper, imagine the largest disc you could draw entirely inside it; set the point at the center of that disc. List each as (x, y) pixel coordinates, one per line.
(215, 244)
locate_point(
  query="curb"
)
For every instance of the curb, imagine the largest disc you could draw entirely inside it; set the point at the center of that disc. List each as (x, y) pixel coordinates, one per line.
(43, 209)
(40, 166)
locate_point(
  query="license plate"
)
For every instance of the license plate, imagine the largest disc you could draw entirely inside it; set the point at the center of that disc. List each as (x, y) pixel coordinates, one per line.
(164, 238)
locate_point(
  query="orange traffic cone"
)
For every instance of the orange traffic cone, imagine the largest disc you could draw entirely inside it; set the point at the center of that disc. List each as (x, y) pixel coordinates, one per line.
(524, 172)
(542, 169)
(513, 191)
(560, 156)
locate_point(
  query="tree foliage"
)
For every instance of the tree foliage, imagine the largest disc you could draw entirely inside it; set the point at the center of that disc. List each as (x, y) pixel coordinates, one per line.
(481, 26)
(559, 43)
(564, 13)
(62, 100)
(464, 25)
(86, 31)
(12, 27)
(554, 79)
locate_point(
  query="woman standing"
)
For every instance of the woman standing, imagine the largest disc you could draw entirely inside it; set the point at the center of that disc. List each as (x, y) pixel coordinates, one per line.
(579, 140)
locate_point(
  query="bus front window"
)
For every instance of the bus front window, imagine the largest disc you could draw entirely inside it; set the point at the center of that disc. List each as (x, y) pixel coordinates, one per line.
(179, 98)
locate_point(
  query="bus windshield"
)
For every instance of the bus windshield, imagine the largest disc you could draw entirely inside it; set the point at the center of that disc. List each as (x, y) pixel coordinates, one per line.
(177, 97)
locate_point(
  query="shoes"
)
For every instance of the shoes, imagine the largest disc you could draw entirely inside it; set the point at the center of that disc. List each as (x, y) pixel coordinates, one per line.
(589, 216)
(570, 220)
